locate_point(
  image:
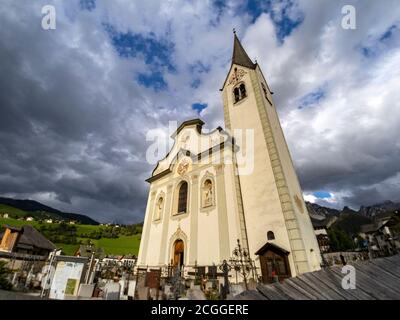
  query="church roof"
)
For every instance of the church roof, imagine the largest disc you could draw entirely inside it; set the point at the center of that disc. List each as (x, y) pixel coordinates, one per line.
(240, 56)
(199, 123)
(197, 146)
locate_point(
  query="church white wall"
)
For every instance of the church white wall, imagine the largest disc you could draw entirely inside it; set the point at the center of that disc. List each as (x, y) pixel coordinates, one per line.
(215, 229)
(232, 208)
(303, 218)
(261, 202)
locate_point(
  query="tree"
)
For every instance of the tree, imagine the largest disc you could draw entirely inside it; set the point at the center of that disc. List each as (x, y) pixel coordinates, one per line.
(339, 240)
(4, 272)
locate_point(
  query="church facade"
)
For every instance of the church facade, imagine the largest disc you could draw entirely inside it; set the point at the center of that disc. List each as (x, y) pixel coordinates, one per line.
(203, 198)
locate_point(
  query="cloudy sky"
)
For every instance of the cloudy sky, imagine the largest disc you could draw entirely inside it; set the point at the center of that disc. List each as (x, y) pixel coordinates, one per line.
(77, 102)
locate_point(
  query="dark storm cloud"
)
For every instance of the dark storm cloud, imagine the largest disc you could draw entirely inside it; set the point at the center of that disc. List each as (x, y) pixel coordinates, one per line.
(63, 124)
(74, 112)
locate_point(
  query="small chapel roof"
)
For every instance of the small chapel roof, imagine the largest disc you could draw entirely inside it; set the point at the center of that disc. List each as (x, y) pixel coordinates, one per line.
(271, 247)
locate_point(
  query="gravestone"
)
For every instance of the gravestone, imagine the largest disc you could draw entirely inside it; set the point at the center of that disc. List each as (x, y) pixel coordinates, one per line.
(195, 294)
(153, 279)
(212, 272)
(143, 293)
(201, 271)
(112, 291)
(252, 285)
(131, 288)
(154, 294)
(153, 282)
(86, 290)
(169, 294)
(209, 285)
(236, 289)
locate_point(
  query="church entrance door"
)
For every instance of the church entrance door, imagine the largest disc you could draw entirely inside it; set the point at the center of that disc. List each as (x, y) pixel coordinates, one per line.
(178, 257)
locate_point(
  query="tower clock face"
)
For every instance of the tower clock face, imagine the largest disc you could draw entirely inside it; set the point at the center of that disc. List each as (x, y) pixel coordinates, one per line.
(236, 76)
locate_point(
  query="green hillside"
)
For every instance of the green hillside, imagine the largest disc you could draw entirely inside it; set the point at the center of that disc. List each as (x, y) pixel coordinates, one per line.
(114, 241)
(11, 211)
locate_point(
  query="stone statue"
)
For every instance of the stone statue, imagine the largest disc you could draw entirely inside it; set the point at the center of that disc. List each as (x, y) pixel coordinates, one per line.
(159, 208)
(208, 193)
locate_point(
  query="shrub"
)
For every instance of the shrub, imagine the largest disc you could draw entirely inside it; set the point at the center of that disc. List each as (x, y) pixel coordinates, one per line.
(4, 272)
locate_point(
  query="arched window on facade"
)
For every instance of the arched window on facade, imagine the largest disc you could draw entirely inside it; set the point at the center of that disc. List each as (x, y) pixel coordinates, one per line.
(183, 197)
(239, 92)
(242, 91)
(270, 235)
(236, 94)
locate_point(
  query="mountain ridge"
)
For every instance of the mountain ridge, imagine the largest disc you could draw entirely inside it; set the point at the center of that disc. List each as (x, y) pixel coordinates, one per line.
(321, 212)
(347, 219)
(35, 208)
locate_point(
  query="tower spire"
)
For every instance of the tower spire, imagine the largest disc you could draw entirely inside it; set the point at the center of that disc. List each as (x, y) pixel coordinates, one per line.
(239, 55)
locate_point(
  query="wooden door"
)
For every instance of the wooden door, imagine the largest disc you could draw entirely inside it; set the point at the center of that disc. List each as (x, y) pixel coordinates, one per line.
(178, 253)
(274, 265)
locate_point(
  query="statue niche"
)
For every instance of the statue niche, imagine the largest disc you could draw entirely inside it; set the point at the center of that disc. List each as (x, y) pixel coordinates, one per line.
(208, 194)
(159, 209)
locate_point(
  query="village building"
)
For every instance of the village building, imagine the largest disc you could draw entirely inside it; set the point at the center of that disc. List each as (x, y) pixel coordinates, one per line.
(25, 240)
(383, 235)
(25, 251)
(321, 233)
(212, 190)
(89, 250)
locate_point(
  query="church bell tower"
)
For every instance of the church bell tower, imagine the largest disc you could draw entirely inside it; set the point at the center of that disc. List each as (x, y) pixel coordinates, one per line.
(273, 209)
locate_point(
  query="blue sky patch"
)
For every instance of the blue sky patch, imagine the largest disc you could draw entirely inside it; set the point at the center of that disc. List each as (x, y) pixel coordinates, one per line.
(88, 5)
(199, 67)
(312, 98)
(388, 33)
(199, 107)
(322, 194)
(284, 24)
(156, 52)
(195, 83)
(367, 52)
(195, 69)
(153, 80)
(373, 48)
(220, 6)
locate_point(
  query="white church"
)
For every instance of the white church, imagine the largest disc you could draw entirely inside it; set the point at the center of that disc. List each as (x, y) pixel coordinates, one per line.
(203, 197)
